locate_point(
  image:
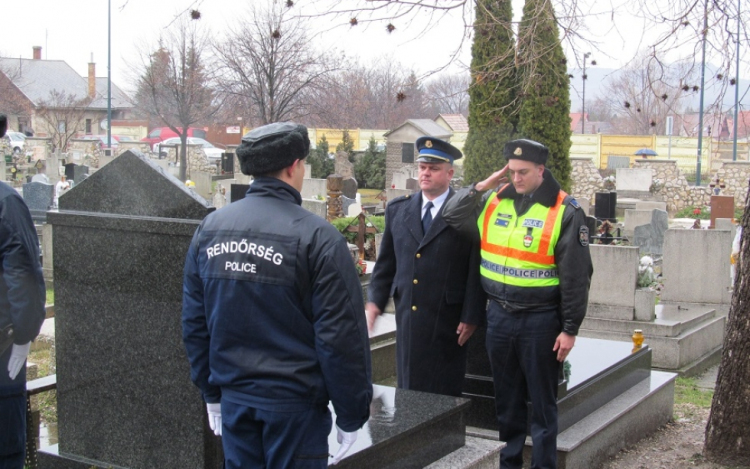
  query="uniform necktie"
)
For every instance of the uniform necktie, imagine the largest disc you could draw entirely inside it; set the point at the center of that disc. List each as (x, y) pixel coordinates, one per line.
(427, 218)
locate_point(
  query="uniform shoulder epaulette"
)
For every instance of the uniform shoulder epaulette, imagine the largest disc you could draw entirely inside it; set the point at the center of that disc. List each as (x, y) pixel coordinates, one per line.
(398, 199)
(574, 203)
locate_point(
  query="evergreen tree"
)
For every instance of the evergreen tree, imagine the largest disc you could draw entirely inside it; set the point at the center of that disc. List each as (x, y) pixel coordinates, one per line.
(545, 110)
(347, 145)
(492, 92)
(370, 169)
(321, 164)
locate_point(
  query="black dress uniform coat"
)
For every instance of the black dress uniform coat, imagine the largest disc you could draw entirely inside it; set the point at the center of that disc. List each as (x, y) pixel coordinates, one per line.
(435, 283)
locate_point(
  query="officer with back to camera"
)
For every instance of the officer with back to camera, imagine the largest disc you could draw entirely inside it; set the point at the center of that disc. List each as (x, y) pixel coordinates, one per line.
(22, 297)
(536, 270)
(273, 317)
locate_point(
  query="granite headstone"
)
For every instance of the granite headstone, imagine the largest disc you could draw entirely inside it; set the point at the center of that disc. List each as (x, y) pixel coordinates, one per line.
(124, 395)
(349, 188)
(650, 238)
(77, 173)
(238, 191)
(38, 197)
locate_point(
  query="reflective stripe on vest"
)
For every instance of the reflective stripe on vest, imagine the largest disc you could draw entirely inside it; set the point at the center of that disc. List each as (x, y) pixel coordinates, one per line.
(516, 264)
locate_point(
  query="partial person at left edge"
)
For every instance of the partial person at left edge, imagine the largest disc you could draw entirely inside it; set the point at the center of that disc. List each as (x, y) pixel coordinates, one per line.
(22, 298)
(273, 317)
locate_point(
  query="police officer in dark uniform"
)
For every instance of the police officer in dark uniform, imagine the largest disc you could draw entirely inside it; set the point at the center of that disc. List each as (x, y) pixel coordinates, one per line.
(432, 272)
(22, 297)
(273, 318)
(536, 269)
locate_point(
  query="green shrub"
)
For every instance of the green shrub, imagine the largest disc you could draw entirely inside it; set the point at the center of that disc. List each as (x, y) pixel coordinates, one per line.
(351, 237)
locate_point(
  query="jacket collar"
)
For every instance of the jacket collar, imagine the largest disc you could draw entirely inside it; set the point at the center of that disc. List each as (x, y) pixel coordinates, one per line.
(545, 194)
(272, 187)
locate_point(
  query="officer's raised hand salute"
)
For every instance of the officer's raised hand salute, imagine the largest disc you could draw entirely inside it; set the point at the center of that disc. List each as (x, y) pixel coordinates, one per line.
(536, 269)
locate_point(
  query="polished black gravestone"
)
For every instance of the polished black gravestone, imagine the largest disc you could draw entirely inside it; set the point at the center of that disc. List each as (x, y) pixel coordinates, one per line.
(238, 191)
(124, 395)
(597, 371)
(38, 197)
(605, 204)
(407, 429)
(76, 173)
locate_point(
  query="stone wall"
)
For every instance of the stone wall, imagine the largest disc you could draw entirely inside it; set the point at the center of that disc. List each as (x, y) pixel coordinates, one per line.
(393, 161)
(585, 180)
(675, 191)
(735, 175)
(82, 151)
(197, 160)
(143, 147)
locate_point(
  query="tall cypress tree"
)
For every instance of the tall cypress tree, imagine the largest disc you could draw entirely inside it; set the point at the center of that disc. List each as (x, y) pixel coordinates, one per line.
(492, 94)
(544, 82)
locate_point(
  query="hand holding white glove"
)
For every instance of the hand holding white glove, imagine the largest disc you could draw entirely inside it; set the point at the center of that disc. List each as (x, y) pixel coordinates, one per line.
(346, 440)
(17, 359)
(214, 417)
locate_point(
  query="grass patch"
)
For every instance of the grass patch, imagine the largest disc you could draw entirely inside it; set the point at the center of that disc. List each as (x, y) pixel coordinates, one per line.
(689, 399)
(50, 296)
(368, 196)
(46, 402)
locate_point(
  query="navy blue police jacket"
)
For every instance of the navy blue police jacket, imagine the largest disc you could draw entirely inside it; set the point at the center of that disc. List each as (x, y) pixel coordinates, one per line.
(273, 315)
(22, 292)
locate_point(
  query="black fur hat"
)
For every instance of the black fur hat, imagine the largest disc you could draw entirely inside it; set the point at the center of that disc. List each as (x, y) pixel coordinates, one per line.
(272, 147)
(527, 150)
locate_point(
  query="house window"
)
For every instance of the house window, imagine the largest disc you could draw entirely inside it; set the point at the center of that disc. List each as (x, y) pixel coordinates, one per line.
(88, 126)
(61, 127)
(407, 153)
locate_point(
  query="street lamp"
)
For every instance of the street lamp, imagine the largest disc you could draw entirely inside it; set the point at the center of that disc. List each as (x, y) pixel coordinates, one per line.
(583, 100)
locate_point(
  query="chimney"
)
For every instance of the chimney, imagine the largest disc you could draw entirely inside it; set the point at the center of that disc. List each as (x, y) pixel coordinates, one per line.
(37, 52)
(92, 78)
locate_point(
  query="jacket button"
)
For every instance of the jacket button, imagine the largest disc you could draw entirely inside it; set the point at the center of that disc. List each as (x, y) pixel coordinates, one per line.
(419, 255)
(413, 308)
(416, 281)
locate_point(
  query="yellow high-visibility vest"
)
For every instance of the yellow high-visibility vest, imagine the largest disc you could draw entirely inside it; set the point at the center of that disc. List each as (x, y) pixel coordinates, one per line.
(517, 250)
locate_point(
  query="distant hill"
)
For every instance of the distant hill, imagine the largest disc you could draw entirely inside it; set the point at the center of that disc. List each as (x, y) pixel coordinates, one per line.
(598, 78)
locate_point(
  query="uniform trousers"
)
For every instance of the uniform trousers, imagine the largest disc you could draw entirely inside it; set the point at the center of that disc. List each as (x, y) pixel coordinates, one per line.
(525, 369)
(12, 425)
(256, 438)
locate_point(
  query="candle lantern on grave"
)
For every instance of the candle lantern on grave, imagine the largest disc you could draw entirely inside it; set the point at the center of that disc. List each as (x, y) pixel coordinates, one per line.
(335, 209)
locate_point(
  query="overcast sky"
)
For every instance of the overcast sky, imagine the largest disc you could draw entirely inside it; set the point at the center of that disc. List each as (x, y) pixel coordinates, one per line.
(74, 30)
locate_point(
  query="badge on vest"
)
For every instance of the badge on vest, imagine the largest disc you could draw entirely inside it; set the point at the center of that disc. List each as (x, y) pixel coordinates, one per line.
(583, 236)
(531, 223)
(528, 239)
(502, 222)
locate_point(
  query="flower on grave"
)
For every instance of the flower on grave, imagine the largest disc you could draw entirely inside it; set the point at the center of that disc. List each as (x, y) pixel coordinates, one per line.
(645, 271)
(696, 211)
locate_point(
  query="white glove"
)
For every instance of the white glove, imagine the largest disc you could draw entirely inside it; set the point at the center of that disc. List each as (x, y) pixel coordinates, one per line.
(346, 440)
(17, 359)
(214, 418)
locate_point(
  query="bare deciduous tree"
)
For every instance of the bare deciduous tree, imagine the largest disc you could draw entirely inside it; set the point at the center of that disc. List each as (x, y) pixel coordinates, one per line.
(643, 96)
(267, 62)
(448, 93)
(175, 86)
(63, 115)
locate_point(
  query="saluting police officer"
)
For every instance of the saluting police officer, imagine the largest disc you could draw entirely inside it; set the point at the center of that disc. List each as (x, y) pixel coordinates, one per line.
(432, 272)
(536, 269)
(22, 297)
(272, 317)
